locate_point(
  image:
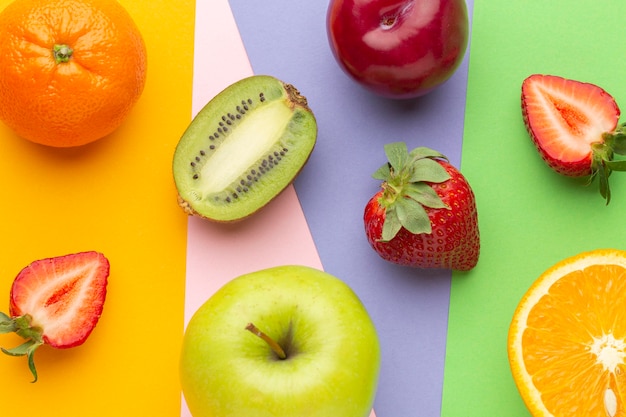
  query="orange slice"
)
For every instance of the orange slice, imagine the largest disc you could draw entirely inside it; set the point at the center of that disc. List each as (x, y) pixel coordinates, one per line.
(567, 339)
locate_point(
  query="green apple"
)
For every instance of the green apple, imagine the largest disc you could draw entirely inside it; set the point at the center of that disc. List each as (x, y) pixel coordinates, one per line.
(288, 341)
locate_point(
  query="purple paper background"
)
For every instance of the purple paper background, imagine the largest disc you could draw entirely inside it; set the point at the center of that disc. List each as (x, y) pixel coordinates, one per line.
(287, 39)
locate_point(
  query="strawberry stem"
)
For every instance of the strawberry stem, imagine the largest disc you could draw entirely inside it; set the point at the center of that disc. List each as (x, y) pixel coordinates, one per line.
(603, 161)
(22, 326)
(407, 191)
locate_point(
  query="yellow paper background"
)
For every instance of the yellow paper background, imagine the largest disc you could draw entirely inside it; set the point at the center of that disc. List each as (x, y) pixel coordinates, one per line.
(116, 196)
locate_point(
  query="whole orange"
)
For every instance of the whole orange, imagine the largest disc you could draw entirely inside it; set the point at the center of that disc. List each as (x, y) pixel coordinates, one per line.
(70, 70)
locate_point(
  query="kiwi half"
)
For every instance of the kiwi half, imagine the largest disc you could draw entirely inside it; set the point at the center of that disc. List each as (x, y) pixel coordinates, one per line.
(243, 148)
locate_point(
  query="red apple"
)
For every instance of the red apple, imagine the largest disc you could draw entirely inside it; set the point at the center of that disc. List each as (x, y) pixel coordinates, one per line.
(398, 48)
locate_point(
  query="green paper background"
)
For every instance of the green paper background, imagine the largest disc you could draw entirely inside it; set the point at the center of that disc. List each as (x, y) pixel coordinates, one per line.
(529, 217)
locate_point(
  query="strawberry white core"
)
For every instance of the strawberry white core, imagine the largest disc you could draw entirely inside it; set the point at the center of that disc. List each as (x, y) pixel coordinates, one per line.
(571, 126)
(55, 304)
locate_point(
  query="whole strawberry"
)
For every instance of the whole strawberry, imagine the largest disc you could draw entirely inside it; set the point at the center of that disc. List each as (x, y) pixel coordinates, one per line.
(56, 302)
(425, 215)
(574, 127)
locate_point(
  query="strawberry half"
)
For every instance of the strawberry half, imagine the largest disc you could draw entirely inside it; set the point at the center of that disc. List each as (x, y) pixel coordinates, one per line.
(574, 127)
(57, 302)
(425, 215)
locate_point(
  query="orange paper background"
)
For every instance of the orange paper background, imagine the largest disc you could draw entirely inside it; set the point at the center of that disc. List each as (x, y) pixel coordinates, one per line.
(116, 196)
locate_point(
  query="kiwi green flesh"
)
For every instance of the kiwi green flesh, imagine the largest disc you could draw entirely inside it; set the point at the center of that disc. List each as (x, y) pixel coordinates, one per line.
(243, 148)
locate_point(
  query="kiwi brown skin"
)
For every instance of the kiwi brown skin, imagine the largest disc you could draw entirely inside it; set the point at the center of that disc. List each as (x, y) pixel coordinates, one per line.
(243, 149)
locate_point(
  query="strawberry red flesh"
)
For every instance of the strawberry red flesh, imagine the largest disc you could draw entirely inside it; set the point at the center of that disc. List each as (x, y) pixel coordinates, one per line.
(57, 301)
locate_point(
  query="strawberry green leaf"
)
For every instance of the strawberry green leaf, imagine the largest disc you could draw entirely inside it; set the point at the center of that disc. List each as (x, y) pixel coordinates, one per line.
(391, 225)
(22, 326)
(413, 216)
(383, 173)
(25, 329)
(397, 154)
(7, 325)
(603, 178)
(619, 144)
(27, 349)
(21, 350)
(428, 170)
(31, 360)
(423, 152)
(616, 165)
(425, 195)
(407, 188)
(617, 140)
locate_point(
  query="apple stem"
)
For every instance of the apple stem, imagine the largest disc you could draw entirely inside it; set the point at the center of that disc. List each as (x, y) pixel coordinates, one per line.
(271, 342)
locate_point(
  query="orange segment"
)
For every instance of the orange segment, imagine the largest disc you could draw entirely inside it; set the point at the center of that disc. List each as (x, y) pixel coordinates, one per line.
(567, 339)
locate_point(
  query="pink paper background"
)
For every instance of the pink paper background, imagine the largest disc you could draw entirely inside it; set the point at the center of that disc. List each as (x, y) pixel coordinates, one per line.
(214, 251)
(276, 235)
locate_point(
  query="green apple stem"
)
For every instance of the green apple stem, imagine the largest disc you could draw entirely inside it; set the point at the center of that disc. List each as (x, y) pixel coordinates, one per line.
(271, 342)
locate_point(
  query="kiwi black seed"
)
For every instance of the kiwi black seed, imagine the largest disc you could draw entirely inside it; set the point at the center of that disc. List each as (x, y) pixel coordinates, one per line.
(243, 148)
